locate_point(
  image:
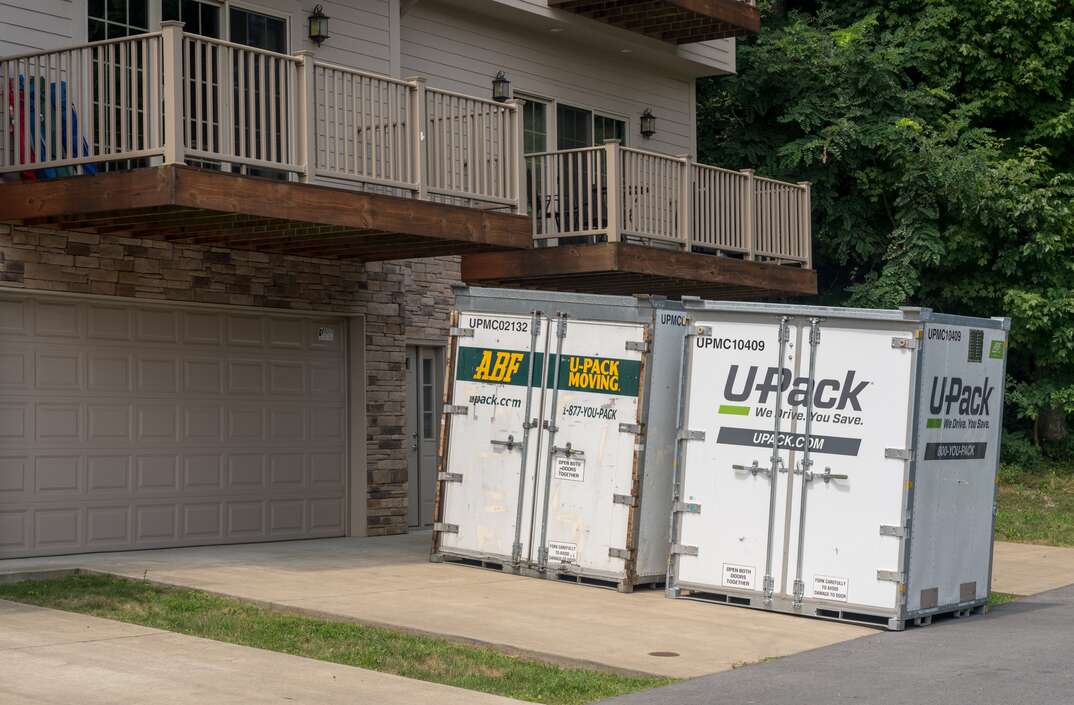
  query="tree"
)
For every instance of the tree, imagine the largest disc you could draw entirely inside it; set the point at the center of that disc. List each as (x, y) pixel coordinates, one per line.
(939, 137)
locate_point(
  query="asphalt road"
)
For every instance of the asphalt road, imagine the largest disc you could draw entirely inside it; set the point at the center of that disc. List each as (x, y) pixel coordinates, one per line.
(1020, 654)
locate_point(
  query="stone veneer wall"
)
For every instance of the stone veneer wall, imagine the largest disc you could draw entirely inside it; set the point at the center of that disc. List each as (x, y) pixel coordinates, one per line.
(402, 301)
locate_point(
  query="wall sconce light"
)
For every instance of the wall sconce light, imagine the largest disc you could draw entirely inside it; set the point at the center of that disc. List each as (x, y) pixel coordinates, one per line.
(501, 88)
(648, 124)
(318, 26)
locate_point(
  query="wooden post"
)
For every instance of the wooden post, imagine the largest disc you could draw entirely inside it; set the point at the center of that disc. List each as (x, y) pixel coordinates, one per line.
(613, 188)
(749, 225)
(807, 222)
(517, 155)
(418, 120)
(686, 203)
(172, 67)
(307, 115)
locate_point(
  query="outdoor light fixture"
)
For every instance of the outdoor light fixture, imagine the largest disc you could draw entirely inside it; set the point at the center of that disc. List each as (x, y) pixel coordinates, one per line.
(318, 26)
(648, 124)
(501, 88)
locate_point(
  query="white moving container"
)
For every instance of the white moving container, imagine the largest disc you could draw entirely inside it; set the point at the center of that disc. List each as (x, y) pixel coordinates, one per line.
(838, 463)
(552, 469)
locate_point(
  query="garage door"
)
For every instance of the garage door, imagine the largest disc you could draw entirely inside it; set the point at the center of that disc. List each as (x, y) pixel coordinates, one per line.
(138, 426)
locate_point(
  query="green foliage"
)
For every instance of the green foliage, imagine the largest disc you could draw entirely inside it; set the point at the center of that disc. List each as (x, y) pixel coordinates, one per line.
(1019, 451)
(939, 137)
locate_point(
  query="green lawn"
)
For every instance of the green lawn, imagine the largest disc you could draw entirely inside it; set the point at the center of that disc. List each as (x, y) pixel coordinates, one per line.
(424, 658)
(1036, 507)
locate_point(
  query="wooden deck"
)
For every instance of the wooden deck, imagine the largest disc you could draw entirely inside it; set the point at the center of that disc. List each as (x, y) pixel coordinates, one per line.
(621, 268)
(200, 206)
(675, 21)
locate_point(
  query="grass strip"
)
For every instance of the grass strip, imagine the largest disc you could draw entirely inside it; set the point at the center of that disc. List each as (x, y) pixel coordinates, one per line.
(229, 620)
(1036, 508)
(1001, 598)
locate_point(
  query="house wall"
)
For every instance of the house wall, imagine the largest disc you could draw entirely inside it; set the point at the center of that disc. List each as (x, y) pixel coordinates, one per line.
(400, 302)
(462, 50)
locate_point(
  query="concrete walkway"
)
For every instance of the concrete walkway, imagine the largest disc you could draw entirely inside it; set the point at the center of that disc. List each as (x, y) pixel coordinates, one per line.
(1020, 653)
(56, 658)
(389, 581)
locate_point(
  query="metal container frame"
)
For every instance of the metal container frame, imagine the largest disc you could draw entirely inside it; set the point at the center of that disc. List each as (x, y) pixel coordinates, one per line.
(901, 616)
(651, 474)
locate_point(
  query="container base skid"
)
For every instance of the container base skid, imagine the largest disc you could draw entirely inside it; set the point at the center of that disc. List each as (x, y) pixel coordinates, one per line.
(612, 582)
(853, 614)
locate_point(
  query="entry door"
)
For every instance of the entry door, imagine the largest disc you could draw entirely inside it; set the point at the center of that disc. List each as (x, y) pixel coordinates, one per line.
(423, 415)
(851, 488)
(737, 402)
(593, 382)
(498, 371)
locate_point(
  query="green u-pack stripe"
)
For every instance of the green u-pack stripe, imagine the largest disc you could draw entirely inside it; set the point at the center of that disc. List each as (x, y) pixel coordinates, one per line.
(580, 373)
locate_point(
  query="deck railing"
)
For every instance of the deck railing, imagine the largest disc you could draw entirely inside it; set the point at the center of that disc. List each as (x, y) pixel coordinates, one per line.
(171, 97)
(623, 194)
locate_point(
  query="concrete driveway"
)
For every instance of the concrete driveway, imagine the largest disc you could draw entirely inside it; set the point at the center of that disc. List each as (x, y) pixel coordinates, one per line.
(51, 657)
(389, 581)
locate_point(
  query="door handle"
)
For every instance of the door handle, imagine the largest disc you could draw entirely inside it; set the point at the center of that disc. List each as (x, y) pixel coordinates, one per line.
(753, 469)
(567, 450)
(827, 476)
(509, 444)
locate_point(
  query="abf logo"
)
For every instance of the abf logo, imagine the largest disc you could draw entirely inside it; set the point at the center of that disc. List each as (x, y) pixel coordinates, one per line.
(498, 366)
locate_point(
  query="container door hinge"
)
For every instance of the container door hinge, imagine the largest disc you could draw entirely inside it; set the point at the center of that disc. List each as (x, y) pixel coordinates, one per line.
(886, 530)
(627, 499)
(456, 409)
(679, 549)
(461, 332)
(637, 346)
(890, 576)
(899, 453)
(449, 476)
(904, 343)
(509, 444)
(623, 553)
(703, 331)
(691, 435)
(687, 508)
(446, 528)
(634, 428)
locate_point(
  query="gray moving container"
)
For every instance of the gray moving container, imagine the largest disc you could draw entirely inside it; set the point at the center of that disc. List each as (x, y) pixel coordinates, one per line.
(837, 463)
(560, 469)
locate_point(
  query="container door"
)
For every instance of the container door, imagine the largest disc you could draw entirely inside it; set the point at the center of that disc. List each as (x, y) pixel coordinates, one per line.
(489, 441)
(847, 502)
(733, 471)
(586, 473)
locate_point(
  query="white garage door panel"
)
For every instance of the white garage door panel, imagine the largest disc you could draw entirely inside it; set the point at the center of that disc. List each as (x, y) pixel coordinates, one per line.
(138, 426)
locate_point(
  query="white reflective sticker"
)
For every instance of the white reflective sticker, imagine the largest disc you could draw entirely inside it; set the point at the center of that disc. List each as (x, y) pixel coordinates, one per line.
(828, 588)
(572, 469)
(738, 576)
(563, 552)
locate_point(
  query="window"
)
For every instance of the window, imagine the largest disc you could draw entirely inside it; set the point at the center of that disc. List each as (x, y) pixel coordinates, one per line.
(574, 127)
(198, 17)
(583, 128)
(256, 30)
(428, 418)
(534, 126)
(606, 128)
(109, 19)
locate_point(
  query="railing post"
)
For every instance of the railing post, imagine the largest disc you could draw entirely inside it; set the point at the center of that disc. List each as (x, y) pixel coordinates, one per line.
(686, 202)
(172, 67)
(613, 159)
(807, 222)
(749, 226)
(307, 114)
(418, 122)
(517, 155)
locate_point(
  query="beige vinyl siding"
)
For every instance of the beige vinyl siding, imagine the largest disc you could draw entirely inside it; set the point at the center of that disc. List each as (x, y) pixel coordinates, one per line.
(462, 51)
(31, 25)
